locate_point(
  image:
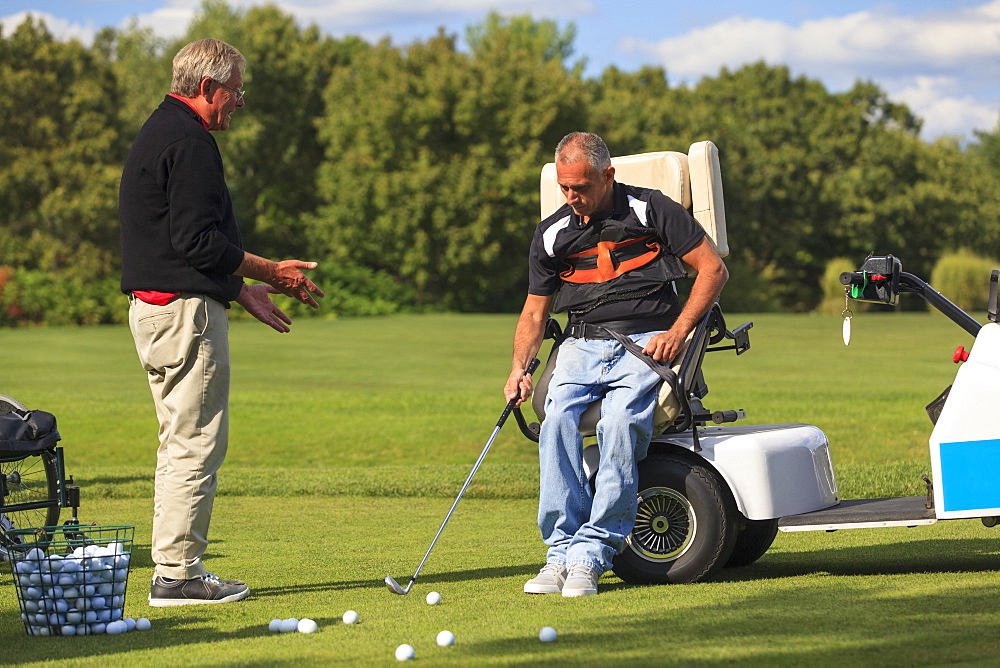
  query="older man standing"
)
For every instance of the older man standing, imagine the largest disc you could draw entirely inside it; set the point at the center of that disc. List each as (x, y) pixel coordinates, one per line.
(182, 264)
(611, 253)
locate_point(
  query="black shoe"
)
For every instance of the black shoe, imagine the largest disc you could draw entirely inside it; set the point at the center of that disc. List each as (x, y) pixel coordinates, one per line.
(209, 588)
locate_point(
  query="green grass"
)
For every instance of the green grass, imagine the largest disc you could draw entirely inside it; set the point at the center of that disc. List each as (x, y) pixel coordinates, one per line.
(350, 438)
(427, 389)
(865, 597)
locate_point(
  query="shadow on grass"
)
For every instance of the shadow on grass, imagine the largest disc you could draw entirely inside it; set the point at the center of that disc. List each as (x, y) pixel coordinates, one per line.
(831, 621)
(454, 576)
(967, 555)
(168, 634)
(826, 627)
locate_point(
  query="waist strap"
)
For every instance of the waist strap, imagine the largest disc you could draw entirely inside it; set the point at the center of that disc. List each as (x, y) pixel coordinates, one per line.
(586, 330)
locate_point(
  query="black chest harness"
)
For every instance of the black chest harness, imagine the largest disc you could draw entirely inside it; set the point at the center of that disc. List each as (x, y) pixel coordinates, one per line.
(614, 261)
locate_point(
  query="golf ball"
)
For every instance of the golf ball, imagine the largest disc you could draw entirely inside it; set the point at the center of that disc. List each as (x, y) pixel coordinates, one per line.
(142, 624)
(274, 626)
(547, 634)
(289, 625)
(433, 598)
(307, 626)
(445, 638)
(350, 617)
(404, 652)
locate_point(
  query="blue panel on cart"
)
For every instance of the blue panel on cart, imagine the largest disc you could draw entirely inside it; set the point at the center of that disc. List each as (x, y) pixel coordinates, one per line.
(970, 472)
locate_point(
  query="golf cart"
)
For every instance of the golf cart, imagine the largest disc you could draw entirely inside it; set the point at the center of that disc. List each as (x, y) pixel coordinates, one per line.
(714, 494)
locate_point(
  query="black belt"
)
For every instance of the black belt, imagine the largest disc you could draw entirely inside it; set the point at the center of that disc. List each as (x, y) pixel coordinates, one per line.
(598, 330)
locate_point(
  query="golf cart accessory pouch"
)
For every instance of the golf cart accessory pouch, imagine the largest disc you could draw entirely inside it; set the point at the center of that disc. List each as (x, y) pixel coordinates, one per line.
(389, 581)
(876, 281)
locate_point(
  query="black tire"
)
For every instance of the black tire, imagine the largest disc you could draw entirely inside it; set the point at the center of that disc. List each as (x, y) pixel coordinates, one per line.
(7, 403)
(32, 478)
(752, 542)
(685, 525)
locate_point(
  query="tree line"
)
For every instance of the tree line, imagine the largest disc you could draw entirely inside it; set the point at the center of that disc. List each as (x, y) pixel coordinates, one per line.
(410, 172)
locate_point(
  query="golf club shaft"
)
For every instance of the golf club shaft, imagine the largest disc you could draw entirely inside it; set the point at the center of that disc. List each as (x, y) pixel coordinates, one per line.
(503, 418)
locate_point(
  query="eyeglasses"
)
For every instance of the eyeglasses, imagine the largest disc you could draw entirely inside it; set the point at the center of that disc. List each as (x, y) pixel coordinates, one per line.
(238, 93)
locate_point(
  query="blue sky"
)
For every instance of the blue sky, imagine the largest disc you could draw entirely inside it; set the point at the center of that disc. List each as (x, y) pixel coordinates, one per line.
(942, 57)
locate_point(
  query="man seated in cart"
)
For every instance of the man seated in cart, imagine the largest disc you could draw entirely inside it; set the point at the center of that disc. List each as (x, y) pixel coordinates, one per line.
(608, 257)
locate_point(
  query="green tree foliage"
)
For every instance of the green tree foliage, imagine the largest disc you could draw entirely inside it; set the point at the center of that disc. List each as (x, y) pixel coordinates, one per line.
(141, 63)
(783, 142)
(410, 172)
(989, 148)
(433, 157)
(60, 157)
(272, 151)
(635, 112)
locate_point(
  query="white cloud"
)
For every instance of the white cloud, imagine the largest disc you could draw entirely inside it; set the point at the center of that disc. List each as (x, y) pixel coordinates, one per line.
(170, 20)
(944, 108)
(59, 28)
(371, 13)
(936, 62)
(371, 19)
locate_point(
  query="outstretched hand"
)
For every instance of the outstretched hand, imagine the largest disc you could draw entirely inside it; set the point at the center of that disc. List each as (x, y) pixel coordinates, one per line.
(289, 280)
(256, 299)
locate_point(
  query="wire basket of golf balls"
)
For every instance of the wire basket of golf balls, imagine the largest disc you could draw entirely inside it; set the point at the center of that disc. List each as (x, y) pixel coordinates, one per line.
(71, 580)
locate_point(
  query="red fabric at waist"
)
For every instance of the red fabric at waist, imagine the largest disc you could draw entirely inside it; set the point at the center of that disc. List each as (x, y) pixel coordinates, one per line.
(154, 297)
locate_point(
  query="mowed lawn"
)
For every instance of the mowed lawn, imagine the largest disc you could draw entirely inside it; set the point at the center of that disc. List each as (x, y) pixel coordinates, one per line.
(351, 438)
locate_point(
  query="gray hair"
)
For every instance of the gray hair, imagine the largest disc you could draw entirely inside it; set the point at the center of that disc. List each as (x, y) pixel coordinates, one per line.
(210, 58)
(586, 145)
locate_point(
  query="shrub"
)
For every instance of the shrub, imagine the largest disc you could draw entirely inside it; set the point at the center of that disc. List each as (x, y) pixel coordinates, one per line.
(46, 298)
(747, 291)
(832, 290)
(964, 277)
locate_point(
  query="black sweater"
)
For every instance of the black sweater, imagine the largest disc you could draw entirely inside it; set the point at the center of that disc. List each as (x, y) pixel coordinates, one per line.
(178, 231)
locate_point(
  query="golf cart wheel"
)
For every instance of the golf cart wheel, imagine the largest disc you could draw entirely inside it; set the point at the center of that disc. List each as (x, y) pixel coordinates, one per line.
(752, 542)
(685, 524)
(26, 480)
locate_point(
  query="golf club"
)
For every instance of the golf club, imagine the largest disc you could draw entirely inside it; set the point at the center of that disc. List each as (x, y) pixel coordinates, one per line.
(389, 581)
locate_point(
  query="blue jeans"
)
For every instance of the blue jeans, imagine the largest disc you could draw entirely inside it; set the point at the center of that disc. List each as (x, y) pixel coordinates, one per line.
(580, 526)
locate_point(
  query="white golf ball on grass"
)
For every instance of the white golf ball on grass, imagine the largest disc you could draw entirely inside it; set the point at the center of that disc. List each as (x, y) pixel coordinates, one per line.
(289, 625)
(445, 639)
(547, 634)
(350, 617)
(433, 598)
(274, 626)
(307, 625)
(405, 652)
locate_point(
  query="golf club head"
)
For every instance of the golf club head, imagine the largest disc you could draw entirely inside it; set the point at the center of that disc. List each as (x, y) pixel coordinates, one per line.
(394, 586)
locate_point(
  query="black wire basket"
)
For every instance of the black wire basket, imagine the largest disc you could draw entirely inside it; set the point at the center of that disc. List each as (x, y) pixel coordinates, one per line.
(71, 579)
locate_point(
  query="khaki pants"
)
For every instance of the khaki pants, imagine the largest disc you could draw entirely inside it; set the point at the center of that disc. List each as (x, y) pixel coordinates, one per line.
(184, 347)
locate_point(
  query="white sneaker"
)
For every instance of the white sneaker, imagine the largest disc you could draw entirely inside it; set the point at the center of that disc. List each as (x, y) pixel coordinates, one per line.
(581, 581)
(548, 581)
